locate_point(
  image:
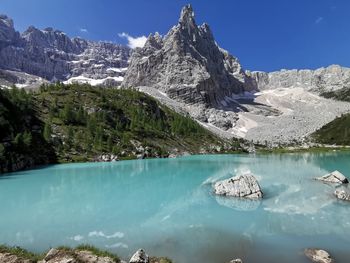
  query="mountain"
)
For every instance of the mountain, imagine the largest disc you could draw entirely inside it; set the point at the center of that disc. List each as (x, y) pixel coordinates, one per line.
(49, 55)
(187, 70)
(187, 65)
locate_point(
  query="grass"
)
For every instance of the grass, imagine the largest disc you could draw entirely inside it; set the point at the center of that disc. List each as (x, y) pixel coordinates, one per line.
(98, 252)
(25, 254)
(21, 253)
(320, 149)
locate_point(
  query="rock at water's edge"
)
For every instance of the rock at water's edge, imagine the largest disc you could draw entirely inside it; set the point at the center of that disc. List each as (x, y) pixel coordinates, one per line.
(239, 186)
(334, 177)
(341, 194)
(140, 256)
(318, 255)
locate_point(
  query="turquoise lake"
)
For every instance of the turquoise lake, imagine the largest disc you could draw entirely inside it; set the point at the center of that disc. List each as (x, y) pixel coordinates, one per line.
(166, 206)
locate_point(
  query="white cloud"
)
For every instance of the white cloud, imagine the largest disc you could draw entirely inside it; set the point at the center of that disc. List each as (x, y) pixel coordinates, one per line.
(83, 30)
(134, 42)
(319, 20)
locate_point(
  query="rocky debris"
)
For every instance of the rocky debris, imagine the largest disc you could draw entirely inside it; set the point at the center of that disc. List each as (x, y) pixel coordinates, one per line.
(245, 186)
(107, 157)
(318, 255)
(342, 194)
(140, 256)
(187, 65)
(74, 256)
(334, 177)
(238, 260)
(51, 55)
(8, 258)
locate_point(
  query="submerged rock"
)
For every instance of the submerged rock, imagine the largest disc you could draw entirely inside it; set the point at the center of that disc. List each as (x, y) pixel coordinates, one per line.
(318, 255)
(342, 194)
(239, 186)
(140, 256)
(334, 177)
(237, 260)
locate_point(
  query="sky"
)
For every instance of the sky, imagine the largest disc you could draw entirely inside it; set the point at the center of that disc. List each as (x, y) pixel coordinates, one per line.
(265, 35)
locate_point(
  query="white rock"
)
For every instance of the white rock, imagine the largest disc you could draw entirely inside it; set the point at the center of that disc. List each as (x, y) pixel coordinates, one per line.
(342, 194)
(318, 255)
(140, 256)
(334, 177)
(239, 186)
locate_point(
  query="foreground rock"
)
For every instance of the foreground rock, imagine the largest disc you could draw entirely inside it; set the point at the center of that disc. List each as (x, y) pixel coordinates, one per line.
(245, 186)
(140, 256)
(334, 177)
(342, 194)
(237, 260)
(8, 258)
(318, 255)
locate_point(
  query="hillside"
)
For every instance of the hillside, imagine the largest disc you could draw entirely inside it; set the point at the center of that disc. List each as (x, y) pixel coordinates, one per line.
(81, 123)
(336, 132)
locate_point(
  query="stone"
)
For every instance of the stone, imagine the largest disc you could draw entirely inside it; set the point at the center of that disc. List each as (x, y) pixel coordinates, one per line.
(318, 255)
(238, 260)
(334, 177)
(245, 186)
(88, 257)
(342, 194)
(8, 258)
(140, 256)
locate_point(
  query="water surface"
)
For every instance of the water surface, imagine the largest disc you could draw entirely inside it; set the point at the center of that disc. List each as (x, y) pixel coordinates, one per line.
(167, 207)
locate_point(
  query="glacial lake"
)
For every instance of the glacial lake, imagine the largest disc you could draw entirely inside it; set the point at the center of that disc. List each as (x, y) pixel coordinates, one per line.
(167, 207)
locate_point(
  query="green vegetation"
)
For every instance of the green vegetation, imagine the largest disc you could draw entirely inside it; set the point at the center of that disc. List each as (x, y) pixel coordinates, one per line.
(68, 123)
(21, 253)
(341, 94)
(27, 255)
(336, 132)
(98, 252)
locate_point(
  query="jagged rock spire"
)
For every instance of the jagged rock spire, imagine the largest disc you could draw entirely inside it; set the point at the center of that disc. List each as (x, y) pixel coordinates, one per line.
(187, 15)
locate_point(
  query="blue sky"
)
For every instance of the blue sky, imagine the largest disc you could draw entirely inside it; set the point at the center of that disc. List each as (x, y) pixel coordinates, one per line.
(264, 34)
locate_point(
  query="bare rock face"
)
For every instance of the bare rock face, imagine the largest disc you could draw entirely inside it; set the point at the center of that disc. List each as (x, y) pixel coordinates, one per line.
(342, 194)
(320, 80)
(245, 186)
(318, 255)
(140, 256)
(186, 64)
(52, 55)
(334, 177)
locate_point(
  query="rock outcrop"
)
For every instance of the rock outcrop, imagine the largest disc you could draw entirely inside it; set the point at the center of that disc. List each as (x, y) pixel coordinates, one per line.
(187, 65)
(245, 186)
(342, 194)
(334, 177)
(140, 256)
(9, 258)
(318, 255)
(51, 55)
(331, 78)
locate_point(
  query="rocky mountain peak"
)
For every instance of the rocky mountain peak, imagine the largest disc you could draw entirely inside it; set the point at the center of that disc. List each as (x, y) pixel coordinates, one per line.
(7, 32)
(187, 16)
(5, 20)
(187, 65)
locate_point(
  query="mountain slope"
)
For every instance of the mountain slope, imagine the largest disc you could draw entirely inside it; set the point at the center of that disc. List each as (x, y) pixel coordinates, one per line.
(82, 123)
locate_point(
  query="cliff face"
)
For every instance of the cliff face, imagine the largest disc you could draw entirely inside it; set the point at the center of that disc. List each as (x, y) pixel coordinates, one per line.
(187, 65)
(320, 80)
(50, 54)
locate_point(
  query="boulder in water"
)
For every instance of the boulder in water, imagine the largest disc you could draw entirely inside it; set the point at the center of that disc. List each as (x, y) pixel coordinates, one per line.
(342, 194)
(245, 186)
(318, 255)
(334, 177)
